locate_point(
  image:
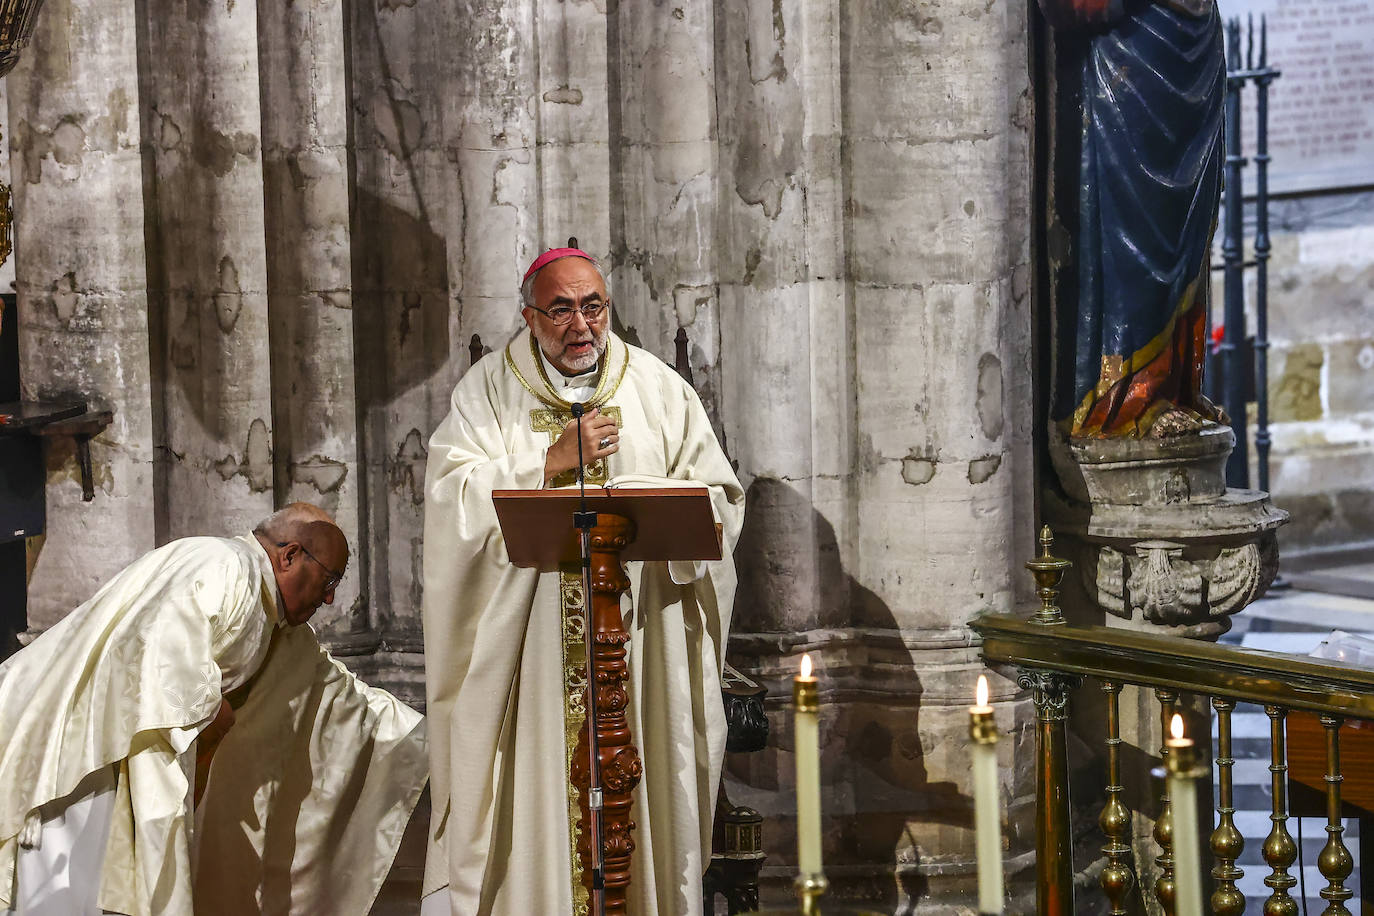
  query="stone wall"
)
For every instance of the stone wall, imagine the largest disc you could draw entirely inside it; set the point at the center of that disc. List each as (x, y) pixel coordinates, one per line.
(263, 234)
(1321, 366)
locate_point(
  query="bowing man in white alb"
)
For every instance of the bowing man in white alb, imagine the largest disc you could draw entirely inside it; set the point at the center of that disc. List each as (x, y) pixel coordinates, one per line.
(200, 649)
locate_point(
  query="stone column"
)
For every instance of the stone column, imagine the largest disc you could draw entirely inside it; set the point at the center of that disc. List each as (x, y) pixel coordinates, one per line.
(787, 335)
(310, 299)
(492, 132)
(402, 240)
(571, 108)
(787, 373)
(83, 310)
(900, 381)
(208, 275)
(664, 197)
(939, 197)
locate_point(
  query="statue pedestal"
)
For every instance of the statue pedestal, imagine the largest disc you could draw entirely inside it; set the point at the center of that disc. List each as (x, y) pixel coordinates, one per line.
(1158, 537)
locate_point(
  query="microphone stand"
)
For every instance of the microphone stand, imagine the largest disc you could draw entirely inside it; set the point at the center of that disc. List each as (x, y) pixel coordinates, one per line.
(584, 521)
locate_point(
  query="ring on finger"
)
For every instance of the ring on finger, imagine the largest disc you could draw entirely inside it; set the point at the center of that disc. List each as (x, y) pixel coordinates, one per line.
(604, 442)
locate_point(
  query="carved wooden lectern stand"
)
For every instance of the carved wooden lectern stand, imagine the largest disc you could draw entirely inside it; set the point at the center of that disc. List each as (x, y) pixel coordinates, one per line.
(632, 524)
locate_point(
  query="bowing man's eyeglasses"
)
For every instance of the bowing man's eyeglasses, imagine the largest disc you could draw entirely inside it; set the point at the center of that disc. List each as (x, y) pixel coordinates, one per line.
(562, 314)
(334, 577)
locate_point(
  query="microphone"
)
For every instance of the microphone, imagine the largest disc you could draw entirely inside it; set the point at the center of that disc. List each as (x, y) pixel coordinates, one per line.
(584, 522)
(578, 409)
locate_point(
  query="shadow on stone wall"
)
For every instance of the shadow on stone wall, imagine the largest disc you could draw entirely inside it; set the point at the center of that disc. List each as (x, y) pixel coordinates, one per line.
(401, 343)
(400, 300)
(884, 817)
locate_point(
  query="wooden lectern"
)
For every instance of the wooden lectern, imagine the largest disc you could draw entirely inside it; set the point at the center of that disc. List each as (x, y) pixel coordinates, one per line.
(650, 524)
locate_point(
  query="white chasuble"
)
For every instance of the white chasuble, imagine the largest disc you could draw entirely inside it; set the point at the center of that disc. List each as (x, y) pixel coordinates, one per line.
(127, 680)
(504, 648)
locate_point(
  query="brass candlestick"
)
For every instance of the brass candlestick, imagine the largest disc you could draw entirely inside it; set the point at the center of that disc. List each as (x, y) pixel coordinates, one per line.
(982, 727)
(806, 695)
(811, 883)
(810, 889)
(1183, 761)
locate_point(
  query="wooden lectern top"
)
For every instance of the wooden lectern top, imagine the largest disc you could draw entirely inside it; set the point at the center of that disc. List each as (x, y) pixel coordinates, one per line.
(671, 523)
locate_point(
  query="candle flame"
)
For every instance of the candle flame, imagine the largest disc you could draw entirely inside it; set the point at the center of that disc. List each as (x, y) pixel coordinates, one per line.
(982, 692)
(806, 665)
(1176, 727)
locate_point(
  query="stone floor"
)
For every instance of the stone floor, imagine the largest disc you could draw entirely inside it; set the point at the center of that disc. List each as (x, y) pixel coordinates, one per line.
(1347, 572)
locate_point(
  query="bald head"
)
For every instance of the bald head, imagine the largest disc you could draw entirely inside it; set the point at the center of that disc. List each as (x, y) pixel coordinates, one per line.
(289, 519)
(309, 555)
(307, 525)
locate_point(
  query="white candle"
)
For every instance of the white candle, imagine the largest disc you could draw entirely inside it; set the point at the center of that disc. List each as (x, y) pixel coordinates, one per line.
(1183, 802)
(987, 821)
(806, 736)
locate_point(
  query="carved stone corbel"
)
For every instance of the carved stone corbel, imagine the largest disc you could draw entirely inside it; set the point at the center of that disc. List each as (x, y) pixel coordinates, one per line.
(1157, 536)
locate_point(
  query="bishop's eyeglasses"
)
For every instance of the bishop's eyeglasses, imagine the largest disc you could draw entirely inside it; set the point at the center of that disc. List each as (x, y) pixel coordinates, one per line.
(334, 577)
(562, 314)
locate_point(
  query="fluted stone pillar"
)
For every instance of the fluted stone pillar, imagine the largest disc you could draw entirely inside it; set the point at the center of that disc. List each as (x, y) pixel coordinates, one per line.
(888, 437)
(491, 128)
(572, 108)
(208, 276)
(310, 300)
(663, 199)
(788, 361)
(82, 310)
(403, 237)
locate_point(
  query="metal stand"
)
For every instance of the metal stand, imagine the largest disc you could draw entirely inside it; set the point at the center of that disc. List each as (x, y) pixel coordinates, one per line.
(585, 521)
(1263, 77)
(1232, 252)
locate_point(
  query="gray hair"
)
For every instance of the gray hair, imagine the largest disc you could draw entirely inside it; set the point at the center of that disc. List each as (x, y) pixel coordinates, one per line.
(299, 522)
(527, 288)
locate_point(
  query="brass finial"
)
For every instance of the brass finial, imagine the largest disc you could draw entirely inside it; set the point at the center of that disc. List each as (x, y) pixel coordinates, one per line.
(1048, 571)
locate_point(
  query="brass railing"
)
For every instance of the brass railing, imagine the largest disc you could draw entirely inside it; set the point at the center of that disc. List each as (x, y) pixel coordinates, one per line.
(1053, 657)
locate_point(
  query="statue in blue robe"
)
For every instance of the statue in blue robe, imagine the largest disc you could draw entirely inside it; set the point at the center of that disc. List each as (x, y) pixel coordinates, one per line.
(1150, 86)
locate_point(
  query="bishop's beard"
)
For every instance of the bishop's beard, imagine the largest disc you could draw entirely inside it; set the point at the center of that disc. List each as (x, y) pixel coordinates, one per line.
(556, 347)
